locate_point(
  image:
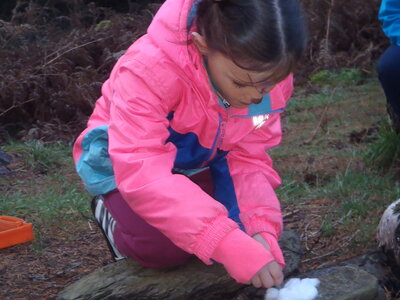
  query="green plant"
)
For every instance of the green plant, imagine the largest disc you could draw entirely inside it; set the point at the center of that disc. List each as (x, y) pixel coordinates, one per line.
(38, 156)
(341, 77)
(321, 77)
(292, 190)
(104, 24)
(53, 200)
(355, 207)
(384, 152)
(350, 76)
(45, 189)
(327, 227)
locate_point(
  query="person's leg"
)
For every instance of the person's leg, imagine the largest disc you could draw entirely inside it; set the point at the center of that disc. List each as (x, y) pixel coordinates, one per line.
(389, 76)
(140, 241)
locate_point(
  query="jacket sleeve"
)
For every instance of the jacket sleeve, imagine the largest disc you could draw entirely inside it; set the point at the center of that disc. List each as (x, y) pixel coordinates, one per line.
(255, 179)
(142, 163)
(389, 14)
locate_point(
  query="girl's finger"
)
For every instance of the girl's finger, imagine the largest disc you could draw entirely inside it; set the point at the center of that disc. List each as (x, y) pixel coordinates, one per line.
(266, 278)
(276, 273)
(256, 281)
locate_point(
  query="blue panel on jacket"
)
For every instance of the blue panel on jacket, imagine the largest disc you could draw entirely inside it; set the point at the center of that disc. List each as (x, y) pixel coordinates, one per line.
(190, 154)
(224, 189)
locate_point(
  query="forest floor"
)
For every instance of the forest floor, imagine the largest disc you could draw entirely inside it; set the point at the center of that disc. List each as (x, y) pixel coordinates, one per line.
(330, 196)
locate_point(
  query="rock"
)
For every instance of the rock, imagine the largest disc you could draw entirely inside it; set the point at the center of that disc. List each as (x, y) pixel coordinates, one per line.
(336, 283)
(4, 171)
(126, 279)
(5, 159)
(291, 247)
(117, 55)
(373, 262)
(379, 265)
(345, 283)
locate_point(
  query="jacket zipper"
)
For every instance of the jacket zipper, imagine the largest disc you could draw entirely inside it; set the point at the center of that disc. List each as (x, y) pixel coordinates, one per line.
(219, 137)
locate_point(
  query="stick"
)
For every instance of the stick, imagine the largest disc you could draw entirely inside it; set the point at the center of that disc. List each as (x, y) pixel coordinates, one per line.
(321, 119)
(72, 49)
(331, 252)
(321, 256)
(15, 106)
(291, 213)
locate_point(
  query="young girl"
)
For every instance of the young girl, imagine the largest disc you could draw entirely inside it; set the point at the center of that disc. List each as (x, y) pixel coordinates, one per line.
(175, 150)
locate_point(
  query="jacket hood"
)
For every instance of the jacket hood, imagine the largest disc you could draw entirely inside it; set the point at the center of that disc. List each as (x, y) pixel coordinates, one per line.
(171, 29)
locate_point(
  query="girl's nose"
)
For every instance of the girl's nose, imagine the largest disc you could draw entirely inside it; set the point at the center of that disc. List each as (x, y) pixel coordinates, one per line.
(257, 93)
(263, 90)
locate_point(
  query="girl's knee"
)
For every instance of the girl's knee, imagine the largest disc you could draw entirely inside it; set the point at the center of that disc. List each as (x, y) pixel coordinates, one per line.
(160, 258)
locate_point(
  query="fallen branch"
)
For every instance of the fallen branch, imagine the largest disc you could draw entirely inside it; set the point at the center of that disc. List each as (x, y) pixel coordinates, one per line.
(15, 106)
(72, 49)
(289, 214)
(321, 256)
(331, 252)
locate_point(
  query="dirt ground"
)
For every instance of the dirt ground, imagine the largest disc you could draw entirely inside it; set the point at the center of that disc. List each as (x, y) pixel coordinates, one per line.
(71, 251)
(68, 255)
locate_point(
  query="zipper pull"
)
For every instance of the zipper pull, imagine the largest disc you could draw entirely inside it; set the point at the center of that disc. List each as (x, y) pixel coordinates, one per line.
(225, 103)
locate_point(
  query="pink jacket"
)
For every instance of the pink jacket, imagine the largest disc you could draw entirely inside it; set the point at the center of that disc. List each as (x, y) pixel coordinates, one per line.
(158, 118)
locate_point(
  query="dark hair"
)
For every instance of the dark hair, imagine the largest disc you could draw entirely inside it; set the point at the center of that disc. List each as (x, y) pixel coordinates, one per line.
(256, 34)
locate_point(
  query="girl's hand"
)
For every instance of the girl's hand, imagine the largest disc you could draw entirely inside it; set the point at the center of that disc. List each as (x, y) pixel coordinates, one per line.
(271, 274)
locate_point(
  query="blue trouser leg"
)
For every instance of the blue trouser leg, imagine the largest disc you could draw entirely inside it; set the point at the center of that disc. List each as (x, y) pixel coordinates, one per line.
(389, 76)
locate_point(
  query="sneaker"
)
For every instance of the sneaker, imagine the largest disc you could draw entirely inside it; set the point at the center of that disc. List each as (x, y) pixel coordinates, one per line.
(107, 225)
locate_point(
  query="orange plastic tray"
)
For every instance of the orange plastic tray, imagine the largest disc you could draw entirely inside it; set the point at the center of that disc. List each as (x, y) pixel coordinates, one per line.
(14, 231)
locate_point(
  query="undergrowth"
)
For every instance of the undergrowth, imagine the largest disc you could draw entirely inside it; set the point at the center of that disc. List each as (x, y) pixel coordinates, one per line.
(338, 161)
(384, 153)
(58, 53)
(43, 188)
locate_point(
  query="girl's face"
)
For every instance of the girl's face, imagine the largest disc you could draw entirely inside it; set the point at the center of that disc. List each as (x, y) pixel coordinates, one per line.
(238, 86)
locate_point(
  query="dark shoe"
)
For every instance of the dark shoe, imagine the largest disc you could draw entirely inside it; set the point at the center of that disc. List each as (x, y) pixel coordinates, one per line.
(107, 224)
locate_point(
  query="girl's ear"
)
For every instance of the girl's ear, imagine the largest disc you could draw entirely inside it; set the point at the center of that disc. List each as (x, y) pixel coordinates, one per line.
(200, 43)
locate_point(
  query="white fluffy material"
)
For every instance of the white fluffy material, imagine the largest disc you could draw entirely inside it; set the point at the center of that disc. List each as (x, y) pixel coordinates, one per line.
(387, 227)
(295, 289)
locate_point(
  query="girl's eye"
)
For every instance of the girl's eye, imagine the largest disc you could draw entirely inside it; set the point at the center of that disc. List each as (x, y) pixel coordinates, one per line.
(239, 85)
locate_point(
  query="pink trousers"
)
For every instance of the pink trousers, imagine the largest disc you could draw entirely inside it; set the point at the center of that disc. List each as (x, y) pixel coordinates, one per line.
(142, 242)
